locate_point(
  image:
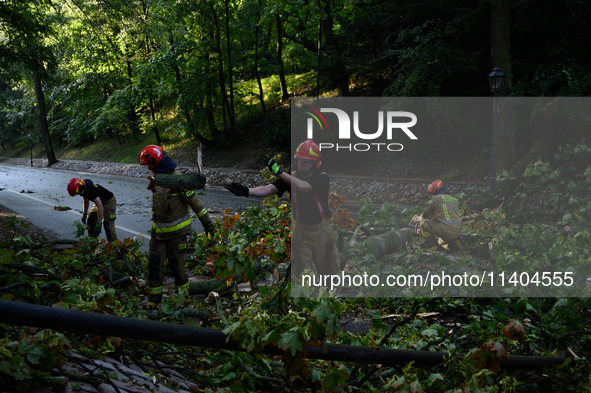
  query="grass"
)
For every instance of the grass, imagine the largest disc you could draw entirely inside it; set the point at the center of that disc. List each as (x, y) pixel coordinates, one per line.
(102, 149)
(247, 108)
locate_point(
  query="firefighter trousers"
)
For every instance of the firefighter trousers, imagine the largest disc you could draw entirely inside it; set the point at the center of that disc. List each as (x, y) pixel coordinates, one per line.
(314, 245)
(447, 232)
(175, 251)
(109, 216)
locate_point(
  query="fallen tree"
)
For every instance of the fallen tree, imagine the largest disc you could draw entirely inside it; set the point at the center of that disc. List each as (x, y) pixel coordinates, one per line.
(22, 314)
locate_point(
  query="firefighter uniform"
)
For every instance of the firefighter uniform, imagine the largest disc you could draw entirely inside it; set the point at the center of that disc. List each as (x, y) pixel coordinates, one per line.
(441, 218)
(90, 192)
(170, 228)
(313, 239)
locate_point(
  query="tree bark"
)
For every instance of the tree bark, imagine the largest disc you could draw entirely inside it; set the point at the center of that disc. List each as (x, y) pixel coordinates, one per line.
(279, 52)
(51, 159)
(539, 150)
(500, 52)
(223, 93)
(256, 60)
(230, 73)
(338, 72)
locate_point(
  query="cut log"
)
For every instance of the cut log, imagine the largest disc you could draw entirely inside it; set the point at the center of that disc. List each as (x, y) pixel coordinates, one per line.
(185, 312)
(379, 245)
(389, 242)
(177, 183)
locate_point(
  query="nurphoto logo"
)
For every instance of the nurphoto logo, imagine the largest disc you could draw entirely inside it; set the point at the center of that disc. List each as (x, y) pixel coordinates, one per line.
(395, 120)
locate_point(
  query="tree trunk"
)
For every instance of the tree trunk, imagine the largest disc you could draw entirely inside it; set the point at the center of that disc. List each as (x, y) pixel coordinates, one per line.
(381, 245)
(231, 113)
(51, 159)
(539, 150)
(339, 71)
(155, 127)
(132, 115)
(256, 61)
(221, 77)
(500, 52)
(284, 93)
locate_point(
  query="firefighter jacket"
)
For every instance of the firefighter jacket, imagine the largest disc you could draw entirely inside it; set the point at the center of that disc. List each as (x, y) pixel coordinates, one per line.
(444, 210)
(170, 213)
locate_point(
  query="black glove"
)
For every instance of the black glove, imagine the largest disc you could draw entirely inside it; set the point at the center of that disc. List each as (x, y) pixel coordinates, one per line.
(210, 230)
(83, 219)
(237, 189)
(99, 226)
(272, 164)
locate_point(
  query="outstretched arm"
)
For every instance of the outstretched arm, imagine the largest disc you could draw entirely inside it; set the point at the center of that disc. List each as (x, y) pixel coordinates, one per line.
(298, 184)
(263, 191)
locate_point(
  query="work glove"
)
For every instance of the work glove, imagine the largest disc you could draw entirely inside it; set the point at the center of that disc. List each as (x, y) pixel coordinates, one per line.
(83, 219)
(99, 227)
(210, 230)
(237, 189)
(272, 164)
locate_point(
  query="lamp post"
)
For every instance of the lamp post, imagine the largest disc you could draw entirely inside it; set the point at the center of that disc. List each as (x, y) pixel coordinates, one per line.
(496, 80)
(31, 146)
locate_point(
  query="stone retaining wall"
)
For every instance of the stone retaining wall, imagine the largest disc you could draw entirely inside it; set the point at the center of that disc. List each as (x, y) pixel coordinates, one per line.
(403, 192)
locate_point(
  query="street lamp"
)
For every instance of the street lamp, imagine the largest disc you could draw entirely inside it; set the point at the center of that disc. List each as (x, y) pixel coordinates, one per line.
(496, 80)
(31, 146)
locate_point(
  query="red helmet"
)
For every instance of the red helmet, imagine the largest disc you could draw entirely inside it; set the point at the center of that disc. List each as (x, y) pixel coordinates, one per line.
(437, 184)
(309, 150)
(75, 186)
(151, 155)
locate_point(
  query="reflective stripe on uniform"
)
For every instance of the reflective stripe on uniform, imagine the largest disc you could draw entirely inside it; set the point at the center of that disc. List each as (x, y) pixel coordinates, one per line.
(183, 286)
(445, 211)
(202, 212)
(164, 227)
(446, 199)
(154, 290)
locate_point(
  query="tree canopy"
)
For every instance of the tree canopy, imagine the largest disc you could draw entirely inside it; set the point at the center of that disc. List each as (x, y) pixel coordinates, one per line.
(201, 70)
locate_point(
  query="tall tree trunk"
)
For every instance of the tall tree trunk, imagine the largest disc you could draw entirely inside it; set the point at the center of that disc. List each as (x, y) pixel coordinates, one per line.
(500, 52)
(209, 96)
(339, 72)
(284, 93)
(223, 93)
(132, 114)
(51, 159)
(155, 126)
(256, 60)
(231, 114)
(178, 79)
(541, 147)
(105, 97)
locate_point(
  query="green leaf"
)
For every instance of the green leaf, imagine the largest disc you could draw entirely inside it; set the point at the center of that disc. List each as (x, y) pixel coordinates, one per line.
(429, 332)
(35, 355)
(291, 342)
(321, 312)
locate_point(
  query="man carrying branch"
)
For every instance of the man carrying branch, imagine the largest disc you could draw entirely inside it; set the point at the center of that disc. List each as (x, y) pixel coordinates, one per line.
(171, 226)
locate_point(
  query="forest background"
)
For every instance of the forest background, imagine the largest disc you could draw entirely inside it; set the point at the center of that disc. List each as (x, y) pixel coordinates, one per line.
(121, 74)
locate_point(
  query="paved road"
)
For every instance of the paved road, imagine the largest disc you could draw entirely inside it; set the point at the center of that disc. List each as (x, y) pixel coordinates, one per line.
(34, 192)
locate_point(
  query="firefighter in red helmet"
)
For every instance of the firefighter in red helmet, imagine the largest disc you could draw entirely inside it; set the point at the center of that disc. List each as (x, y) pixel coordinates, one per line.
(440, 219)
(102, 213)
(170, 228)
(313, 239)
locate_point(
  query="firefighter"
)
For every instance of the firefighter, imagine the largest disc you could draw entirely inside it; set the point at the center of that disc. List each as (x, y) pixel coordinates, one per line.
(102, 213)
(313, 239)
(440, 219)
(170, 228)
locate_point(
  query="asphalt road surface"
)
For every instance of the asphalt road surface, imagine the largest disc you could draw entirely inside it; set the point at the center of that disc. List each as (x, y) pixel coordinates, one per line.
(36, 192)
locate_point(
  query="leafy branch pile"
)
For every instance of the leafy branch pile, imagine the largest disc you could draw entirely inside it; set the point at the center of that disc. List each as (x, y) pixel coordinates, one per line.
(477, 335)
